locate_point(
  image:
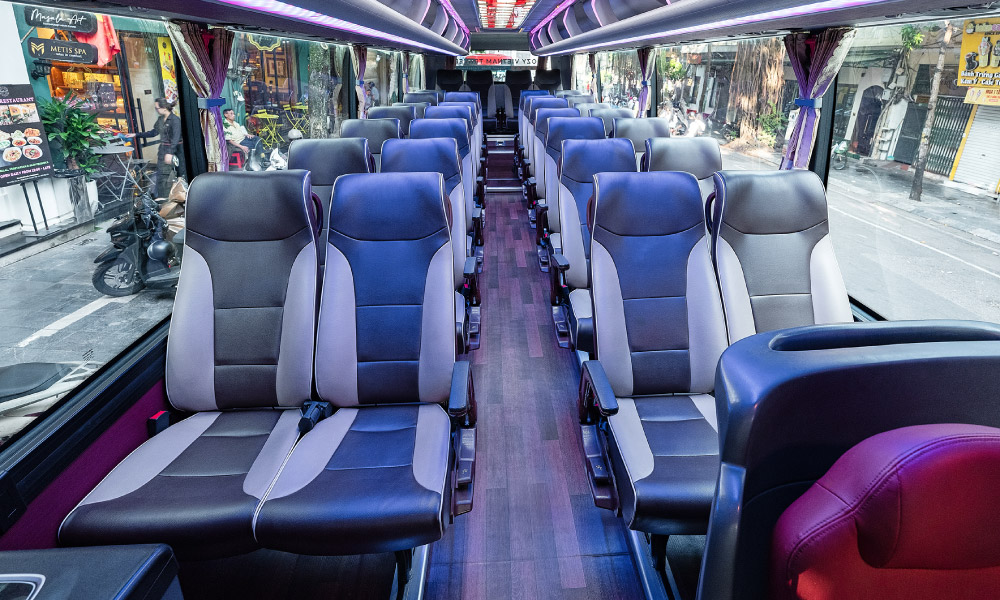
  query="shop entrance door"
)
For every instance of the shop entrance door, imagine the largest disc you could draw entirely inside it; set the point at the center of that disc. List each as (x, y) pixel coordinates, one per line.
(979, 165)
(868, 114)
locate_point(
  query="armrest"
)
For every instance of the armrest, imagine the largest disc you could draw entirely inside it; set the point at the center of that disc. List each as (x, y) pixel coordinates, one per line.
(561, 264)
(471, 267)
(462, 401)
(596, 390)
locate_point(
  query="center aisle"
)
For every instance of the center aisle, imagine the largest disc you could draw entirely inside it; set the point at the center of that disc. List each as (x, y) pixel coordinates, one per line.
(534, 531)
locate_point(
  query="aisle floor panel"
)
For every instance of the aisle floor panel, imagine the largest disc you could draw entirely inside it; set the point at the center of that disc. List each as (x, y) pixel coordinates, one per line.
(534, 531)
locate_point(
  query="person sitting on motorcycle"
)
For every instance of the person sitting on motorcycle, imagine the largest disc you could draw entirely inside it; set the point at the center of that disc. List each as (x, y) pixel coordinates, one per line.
(236, 134)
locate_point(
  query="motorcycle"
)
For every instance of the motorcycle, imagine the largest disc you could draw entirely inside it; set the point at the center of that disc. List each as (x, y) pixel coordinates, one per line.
(141, 255)
(839, 158)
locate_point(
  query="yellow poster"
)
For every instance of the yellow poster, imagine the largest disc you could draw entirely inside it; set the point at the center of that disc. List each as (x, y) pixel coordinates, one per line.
(983, 96)
(167, 68)
(980, 59)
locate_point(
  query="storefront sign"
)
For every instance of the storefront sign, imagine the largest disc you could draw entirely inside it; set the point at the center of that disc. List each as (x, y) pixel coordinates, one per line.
(59, 50)
(65, 20)
(24, 147)
(266, 43)
(167, 69)
(983, 96)
(980, 54)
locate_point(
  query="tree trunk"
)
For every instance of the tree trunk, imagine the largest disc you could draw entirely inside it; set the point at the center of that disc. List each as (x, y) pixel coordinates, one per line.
(80, 199)
(925, 136)
(705, 90)
(757, 83)
(320, 95)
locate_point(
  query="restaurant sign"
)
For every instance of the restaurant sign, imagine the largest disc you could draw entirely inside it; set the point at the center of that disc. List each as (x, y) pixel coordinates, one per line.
(24, 148)
(61, 50)
(55, 18)
(980, 54)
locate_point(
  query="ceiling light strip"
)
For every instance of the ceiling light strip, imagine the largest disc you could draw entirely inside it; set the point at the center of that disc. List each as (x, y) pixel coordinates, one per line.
(454, 15)
(288, 11)
(774, 15)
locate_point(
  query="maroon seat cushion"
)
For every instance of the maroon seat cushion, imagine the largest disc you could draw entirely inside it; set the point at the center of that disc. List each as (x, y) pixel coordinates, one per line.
(910, 513)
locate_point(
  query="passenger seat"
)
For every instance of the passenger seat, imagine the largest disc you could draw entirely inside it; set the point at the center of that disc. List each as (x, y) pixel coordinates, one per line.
(608, 115)
(639, 130)
(586, 107)
(699, 156)
(418, 108)
(376, 131)
(541, 130)
(773, 254)
(403, 114)
(430, 97)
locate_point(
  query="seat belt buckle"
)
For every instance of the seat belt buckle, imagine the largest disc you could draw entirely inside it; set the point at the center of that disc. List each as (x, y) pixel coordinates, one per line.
(158, 422)
(313, 411)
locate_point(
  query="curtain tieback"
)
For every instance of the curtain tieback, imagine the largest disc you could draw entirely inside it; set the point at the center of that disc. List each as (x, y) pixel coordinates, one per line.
(210, 102)
(809, 102)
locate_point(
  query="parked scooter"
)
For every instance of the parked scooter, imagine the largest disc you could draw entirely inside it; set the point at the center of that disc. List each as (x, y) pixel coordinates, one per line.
(141, 255)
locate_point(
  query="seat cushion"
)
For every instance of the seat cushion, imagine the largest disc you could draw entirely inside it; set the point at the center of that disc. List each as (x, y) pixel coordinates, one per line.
(365, 480)
(195, 486)
(665, 454)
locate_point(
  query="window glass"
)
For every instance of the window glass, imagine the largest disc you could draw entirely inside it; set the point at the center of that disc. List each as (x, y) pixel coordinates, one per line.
(933, 253)
(380, 78)
(621, 78)
(582, 77)
(416, 72)
(499, 61)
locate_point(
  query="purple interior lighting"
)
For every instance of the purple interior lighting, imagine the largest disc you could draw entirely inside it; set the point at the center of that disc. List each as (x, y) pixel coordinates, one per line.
(454, 15)
(282, 9)
(784, 13)
(552, 14)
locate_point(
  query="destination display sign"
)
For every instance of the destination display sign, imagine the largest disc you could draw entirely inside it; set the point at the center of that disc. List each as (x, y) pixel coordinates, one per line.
(62, 50)
(65, 20)
(24, 147)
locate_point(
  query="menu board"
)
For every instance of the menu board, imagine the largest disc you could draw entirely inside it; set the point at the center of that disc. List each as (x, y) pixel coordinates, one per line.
(980, 54)
(24, 148)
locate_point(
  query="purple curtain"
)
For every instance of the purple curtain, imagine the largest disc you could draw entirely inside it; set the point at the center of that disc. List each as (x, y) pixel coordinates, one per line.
(406, 72)
(646, 65)
(816, 60)
(592, 59)
(360, 54)
(204, 54)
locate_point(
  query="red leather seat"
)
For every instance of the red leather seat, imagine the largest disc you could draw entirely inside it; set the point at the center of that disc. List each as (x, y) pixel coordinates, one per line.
(910, 514)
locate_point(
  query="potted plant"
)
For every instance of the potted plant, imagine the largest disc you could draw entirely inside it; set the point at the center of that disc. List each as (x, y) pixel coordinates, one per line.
(72, 132)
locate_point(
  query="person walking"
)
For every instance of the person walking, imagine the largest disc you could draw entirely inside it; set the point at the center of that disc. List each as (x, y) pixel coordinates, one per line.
(171, 152)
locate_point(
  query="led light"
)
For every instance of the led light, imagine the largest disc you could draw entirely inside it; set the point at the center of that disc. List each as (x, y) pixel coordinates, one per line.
(783, 13)
(552, 14)
(454, 15)
(281, 9)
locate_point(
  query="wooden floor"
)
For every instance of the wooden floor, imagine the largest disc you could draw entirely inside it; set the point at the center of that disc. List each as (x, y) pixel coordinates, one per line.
(534, 531)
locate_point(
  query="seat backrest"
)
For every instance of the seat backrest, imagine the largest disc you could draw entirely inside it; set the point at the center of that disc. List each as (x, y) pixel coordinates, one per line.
(499, 97)
(327, 159)
(526, 94)
(608, 115)
(792, 402)
(466, 96)
(418, 108)
(561, 128)
(457, 128)
(657, 313)
(548, 79)
(543, 115)
(576, 99)
(474, 112)
(639, 130)
(241, 336)
(699, 156)
(429, 97)
(451, 112)
(586, 107)
(772, 249)
(386, 330)
(874, 521)
(450, 80)
(537, 103)
(582, 159)
(564, 93)
(434, 155)
(376, 131)
(518, 81)
(480, 82)
(403, 114)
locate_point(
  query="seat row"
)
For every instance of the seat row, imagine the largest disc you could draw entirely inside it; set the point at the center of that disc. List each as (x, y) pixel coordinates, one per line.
(321, 411)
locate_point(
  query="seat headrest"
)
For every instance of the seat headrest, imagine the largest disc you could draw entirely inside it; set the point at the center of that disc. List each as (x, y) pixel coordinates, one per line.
(525, 94)
(586, 107)
(539, 102)
(376, 131)
(431, 155)
(669, 202)
(766, 202)
(544, 114)
(573, 128)
(384, 207)
(418, 108)
(404, 114)
(329, 158)
(458, 129)
(564, 93)
(450, 112)
(465, 96)
(518, 78)
(473, 109)
(581, 159)
(641, 129)
(429, 97)
(547, 79)
(699, 156)
(249, 207)
(580, 99)
(921, 497)
(477, 78)
(608, 115)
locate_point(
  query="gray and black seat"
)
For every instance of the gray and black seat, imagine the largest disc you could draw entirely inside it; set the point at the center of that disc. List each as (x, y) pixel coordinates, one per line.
(523, 147)
(518, 81)
(532, 106)
(238, 357)
(460, 111)
(577, 99)
(429, 97)
(548, 79)
(639, 130)
(699, 156)
(450, 80)
(559, 129)
(499, 103)
(608, 115)
(479, 83)
(586, 107)
(773, 254)
(404, 114)
(471, 101)
(565, 93)
(418, 108)
(541, 131)
(378, 475)
(376, 131)
(659, 334)
(327, 159)
(570, 245)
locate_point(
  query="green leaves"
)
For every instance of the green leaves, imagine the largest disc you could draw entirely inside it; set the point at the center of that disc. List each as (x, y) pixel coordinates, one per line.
(74, 130)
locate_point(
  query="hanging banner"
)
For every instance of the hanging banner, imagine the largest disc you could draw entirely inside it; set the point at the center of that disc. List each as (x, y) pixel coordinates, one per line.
(24, 147)
(55, 18)
(980, 54)
(983, 96)
(492, 61)
(168, 71)
(74, 52)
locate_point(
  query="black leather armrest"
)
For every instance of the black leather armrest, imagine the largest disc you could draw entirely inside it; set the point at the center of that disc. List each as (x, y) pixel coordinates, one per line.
(596, 389)
(561, 264)
(462, 401)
